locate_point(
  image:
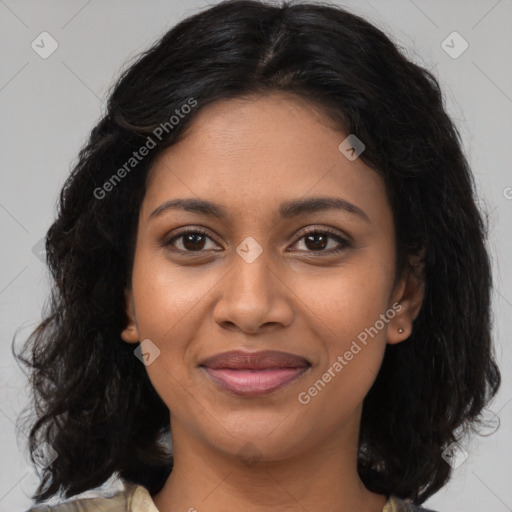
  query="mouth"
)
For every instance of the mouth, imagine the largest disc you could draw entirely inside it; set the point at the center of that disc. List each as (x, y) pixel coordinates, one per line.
(254, 373)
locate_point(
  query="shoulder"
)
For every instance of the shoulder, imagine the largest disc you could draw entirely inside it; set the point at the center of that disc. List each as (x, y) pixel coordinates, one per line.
(395, 504)
(134, 498)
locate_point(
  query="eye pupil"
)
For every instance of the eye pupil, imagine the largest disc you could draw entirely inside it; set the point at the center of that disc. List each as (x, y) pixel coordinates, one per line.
(316, 245)
(190, 241)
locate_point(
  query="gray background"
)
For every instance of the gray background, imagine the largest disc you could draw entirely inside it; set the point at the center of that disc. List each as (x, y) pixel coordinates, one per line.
(49, 106)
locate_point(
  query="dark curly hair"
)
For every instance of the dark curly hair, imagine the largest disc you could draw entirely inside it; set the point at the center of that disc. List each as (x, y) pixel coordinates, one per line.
(94, 403)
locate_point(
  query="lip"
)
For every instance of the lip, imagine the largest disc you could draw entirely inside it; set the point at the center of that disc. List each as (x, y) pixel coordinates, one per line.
(254, 373)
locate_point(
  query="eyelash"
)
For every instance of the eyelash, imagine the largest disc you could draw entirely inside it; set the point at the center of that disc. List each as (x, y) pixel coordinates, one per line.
(314, 231)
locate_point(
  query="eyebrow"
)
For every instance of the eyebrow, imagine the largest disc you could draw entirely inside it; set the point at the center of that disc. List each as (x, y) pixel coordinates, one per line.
(288, 209)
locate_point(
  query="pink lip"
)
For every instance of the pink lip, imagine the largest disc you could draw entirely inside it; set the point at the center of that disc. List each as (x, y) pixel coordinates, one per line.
(256, 373)
(254, 382)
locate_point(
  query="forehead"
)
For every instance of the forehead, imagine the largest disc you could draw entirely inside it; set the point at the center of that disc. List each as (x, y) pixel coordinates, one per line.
(260, 151)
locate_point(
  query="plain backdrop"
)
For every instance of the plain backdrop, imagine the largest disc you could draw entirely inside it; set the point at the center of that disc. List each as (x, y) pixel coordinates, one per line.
(49, 106)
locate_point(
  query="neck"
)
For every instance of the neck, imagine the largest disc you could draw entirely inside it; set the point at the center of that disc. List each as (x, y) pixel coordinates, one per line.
(322, 477)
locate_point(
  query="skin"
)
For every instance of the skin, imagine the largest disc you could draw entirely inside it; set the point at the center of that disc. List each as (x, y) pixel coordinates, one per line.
(250, 155)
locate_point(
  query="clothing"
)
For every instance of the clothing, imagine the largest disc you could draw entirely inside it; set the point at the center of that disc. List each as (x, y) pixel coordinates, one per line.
(136, 498)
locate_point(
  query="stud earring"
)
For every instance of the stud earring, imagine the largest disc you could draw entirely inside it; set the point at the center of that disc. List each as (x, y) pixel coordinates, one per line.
(400, 330)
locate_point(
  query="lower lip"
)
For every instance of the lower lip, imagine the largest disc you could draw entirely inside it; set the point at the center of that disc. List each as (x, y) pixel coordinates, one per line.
(254, 382)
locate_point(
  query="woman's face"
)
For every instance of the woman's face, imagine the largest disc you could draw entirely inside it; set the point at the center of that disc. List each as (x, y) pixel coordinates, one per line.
(253, 280)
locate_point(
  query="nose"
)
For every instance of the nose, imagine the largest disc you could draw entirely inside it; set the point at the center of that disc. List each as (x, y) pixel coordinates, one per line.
(253, 298)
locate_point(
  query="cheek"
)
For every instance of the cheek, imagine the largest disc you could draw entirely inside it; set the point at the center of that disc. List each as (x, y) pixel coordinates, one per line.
(353, 341)
(352, 305)
(350, 299)
(168, 296)
(167, 307)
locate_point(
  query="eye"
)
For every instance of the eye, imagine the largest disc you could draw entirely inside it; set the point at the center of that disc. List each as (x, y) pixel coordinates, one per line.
(317, 240)
(189, 240)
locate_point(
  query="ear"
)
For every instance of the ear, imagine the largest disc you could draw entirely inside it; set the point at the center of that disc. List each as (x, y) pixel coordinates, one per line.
(409, 293)
(130, 333)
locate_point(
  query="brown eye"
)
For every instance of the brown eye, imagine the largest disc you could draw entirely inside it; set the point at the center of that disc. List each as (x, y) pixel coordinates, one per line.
(189, 241)
(193, 241)
(318, 240)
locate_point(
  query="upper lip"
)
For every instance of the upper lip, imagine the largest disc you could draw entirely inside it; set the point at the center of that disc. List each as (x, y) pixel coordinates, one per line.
(239, 360)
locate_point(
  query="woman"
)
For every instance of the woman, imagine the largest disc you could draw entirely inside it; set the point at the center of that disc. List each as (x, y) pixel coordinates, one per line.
(269, 252)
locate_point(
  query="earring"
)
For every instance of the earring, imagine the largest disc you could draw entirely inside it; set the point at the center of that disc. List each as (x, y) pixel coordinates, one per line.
(400, 330)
